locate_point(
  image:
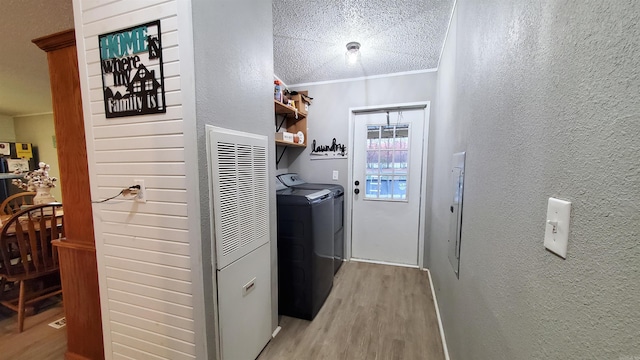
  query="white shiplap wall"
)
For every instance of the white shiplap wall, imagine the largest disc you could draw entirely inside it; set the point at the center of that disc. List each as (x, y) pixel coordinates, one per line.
(150, 282)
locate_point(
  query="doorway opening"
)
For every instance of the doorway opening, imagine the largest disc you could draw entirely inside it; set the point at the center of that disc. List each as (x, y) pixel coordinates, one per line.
(387, 184)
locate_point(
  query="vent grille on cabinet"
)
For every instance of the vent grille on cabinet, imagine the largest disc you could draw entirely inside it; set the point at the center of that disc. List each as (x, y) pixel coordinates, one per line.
(240, 193)
(227, 187)
(245, 194)
(261, 190)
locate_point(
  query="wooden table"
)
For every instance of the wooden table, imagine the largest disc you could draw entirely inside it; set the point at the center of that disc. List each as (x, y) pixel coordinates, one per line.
(11, 239)
(47, 284)
(5, 219)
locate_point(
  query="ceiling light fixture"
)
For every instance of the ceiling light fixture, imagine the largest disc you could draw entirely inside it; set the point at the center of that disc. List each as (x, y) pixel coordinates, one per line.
(353, 53)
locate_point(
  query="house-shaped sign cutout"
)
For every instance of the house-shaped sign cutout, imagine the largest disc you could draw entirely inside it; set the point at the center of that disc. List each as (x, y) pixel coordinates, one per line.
(132, 73)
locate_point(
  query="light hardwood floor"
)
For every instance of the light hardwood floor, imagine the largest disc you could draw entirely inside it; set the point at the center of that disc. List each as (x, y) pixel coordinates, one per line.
(38, 341)
(373, 312)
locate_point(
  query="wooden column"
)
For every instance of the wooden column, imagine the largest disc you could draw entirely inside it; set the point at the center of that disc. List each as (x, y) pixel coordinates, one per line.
(77, 252)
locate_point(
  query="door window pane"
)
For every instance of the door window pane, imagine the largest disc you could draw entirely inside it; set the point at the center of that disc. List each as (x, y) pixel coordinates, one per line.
(386, 190)
(401, 161)
(373, 137)
(388, 132)
(372, 187)
(402, 137)
(373, 162)
(387, 162)
(399, 187)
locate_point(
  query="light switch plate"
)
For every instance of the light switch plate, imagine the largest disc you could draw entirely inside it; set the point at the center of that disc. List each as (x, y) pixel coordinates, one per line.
(556, 236)
(335, 174)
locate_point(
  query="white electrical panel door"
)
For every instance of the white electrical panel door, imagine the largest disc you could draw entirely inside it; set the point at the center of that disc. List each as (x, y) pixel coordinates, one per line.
(240, 192)
(455, 209)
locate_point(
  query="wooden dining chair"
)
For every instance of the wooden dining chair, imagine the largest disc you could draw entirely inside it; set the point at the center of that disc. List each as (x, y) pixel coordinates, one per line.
(15, 203)
(28, 257)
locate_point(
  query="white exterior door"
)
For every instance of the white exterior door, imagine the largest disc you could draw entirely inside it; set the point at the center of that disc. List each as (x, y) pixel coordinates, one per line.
(387, 181)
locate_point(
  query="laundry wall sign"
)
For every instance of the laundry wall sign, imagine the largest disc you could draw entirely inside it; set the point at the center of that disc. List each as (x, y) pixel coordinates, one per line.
(132, 74)
(334, 150)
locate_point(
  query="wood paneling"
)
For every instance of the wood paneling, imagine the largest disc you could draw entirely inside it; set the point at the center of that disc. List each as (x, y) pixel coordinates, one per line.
(71, 145)
(57, 41)
(78, 267)
(144, 248)
(79, 274)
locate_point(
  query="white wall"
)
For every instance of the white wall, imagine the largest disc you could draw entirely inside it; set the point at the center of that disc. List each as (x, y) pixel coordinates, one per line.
(155, 259)
(149, 261)
(234, 86)
(329, 117)
(7, 131)
(543, 97)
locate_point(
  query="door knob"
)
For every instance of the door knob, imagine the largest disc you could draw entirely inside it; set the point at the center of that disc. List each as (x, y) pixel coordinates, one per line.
(356, 191)
(357, 183)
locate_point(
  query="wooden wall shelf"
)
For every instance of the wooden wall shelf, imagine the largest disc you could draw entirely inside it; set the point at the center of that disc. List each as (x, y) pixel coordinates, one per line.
(286, 143)
(294, 121)
(282, 109)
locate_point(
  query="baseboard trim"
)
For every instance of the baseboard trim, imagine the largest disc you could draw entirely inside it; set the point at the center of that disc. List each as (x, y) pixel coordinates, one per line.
(275, 332)
(384, 263)
(74, 356)
(435, 302)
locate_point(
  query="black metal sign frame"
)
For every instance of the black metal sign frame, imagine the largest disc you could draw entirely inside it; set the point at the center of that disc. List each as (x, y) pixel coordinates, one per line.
(132, 71)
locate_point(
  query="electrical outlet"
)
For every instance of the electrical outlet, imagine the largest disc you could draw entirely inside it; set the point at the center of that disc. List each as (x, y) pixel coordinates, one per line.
(335, 174)
(142, 193)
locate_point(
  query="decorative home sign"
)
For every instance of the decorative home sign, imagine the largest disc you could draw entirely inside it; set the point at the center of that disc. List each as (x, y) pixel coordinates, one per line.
(333, 151)
(132, 77)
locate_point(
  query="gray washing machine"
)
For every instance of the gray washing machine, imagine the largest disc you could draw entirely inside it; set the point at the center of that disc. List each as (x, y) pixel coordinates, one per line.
(305, 250)
(295, 181)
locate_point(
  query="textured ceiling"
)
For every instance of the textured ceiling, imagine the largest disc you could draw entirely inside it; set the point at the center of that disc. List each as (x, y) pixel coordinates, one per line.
(24, 76)
(310, 37)
(309, 42)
